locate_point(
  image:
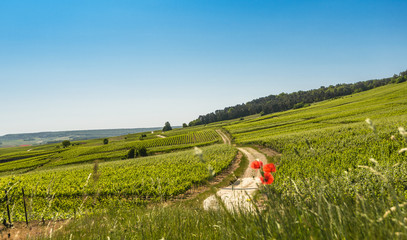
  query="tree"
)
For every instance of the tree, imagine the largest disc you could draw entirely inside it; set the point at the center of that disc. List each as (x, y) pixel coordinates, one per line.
(167, 127)
(184, 125)
(142, 151)
(66, 143)
(131, 153)
(105, 141)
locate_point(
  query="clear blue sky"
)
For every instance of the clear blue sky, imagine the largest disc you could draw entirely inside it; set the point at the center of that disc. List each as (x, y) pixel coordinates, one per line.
(68, 65)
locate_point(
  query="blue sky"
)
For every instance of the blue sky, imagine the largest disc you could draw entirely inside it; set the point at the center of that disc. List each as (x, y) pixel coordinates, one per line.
(68, 65)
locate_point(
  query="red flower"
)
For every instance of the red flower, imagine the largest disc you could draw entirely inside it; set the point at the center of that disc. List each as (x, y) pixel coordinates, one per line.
(269, 168)
(256, 164)
(267, 179)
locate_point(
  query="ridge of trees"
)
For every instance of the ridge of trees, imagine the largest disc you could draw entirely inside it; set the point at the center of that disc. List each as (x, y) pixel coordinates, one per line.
(286, 101)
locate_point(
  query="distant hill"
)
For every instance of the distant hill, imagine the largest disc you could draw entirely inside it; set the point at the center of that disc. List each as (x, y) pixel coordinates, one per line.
(11, 140)
(287, 101)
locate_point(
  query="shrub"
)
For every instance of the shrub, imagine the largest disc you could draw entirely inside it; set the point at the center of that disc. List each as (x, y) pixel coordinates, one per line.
(167, 127)
(142, 151)
(66, 143)
(131, 153)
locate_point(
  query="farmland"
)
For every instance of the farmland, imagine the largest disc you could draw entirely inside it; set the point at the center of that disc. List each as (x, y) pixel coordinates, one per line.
(332, 136)
(339, 176)
(60, 192)
(88, 151)
(335, 167)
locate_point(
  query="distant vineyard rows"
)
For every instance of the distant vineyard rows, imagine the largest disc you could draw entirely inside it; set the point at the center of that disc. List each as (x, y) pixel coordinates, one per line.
(62, 191)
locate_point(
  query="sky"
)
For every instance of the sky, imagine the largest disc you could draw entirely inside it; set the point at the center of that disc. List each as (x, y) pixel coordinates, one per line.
(72, 65)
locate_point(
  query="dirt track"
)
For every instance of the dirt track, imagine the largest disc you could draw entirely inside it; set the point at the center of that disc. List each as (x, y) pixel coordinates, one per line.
(224, 137)
(238, 194)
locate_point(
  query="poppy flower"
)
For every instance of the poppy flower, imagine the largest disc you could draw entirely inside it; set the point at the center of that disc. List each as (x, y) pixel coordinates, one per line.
(269, 168)
(256, 164)
(267, 179)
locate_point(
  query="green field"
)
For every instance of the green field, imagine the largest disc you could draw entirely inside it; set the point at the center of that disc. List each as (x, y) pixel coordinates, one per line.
(336, 178)
(332, 136)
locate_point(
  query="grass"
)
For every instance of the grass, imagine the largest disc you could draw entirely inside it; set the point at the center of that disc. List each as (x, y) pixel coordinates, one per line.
(336, 179)
(303, 212)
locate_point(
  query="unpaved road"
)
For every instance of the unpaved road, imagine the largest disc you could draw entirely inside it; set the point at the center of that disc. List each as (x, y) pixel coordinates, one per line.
(161, 136)
(237, 194)
(224, 137)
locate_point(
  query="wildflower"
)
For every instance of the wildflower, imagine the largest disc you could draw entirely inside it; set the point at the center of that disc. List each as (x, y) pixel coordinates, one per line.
(402, 132)
(211, 171)
(256, 164)
(373, 161)
(370, 123)
(267, 178)
(269, 168)
(198, 151)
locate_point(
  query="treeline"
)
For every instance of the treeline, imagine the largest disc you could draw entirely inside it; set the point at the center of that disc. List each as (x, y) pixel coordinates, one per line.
(284, 101)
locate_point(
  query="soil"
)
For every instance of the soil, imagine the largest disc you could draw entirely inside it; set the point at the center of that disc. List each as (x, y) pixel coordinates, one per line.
(268, 151)
(224, 137)
(35, 229)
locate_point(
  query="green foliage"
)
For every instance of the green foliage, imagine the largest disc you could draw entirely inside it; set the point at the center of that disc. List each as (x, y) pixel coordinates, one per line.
(284, 101)
(59, 192)
(131, 153)
(105, 141)
(320, 209)
(167, 127)
(66, 143)
(142, 151)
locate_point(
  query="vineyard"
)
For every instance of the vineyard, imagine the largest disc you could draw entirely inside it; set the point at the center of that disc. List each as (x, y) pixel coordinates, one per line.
(89, 151)
(332, 137)
(340, 176)
(333, 161)
(63, 191)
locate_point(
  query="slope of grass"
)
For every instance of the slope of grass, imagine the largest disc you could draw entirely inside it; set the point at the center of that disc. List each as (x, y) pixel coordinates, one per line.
(337, 178)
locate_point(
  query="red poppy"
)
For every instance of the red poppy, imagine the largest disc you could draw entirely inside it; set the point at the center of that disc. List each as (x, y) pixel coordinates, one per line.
(269, 168)
(267, 179)
(256, 164)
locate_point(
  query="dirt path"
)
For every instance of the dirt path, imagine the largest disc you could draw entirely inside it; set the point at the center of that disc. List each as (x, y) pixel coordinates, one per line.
(237, 194)
(161, 136)
(224, 137)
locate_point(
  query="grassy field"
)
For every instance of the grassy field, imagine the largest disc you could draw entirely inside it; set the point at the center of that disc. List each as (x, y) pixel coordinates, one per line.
(339, 176)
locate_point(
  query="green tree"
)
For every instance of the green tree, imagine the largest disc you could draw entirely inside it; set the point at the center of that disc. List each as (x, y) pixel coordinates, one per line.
(142, 151)
(131, 153)
(184, 125)
(66, 143)
(167, 127)
(105, 141)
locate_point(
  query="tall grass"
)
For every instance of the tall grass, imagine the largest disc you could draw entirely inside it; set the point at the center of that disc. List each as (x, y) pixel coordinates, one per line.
(309, 209)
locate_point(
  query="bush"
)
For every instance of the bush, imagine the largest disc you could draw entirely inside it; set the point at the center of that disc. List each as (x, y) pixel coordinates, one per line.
(131, 153)
(105, 141)
(142, 151)
(66, 143)
(167, 127)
